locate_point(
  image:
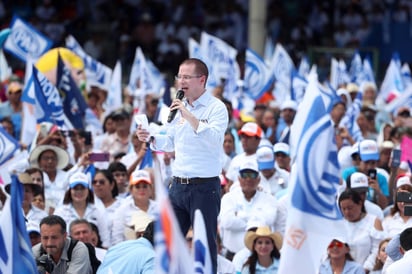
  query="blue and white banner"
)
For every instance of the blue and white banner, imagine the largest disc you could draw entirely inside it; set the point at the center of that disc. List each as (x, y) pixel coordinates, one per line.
(114, 96)
(349, 119)
(97, 73)
(194, 49)
(222, 58)
(25, 41)
(200, 248)
(338, 74)
(282, 67)
(304, 67)
(313, 216)
(48, 103)
(74, 104)
(406, 75)
(5, 69)
(299, 85)
(258, 78)
(8, 146)
(356, 69)
(393, 81)
(134, 76)
(368, 71)
(15, 248)
(268, 51)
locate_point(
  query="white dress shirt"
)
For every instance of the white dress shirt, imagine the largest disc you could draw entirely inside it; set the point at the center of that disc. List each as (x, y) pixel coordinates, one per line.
(394, 225)
(235, 212)
(402, 266)
(197, 151)
(123, 218)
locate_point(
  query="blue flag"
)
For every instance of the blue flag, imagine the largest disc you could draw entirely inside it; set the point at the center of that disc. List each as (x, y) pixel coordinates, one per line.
(15, 248)
(258, 78)
(48, 106)
(74, 105)
(25, 42)
(8, 145)
(147, 160)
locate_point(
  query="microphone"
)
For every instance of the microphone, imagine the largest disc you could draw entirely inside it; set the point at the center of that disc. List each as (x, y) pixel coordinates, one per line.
(179, 95)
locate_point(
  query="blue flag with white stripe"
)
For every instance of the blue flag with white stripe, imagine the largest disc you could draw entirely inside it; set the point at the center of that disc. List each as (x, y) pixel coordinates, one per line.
(15, 248)
(147, 160)
(258, 78)
(48, 106)
(299, 85)
(25, 41)
(202, 259)
(313, 216)
(8, 145)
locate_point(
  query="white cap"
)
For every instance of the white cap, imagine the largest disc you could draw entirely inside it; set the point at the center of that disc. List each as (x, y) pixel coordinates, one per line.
(281, 147)
(250, 165)
(359, 181)
(404, 180)
(265, 158)
(79, 178)
(289, 104)
(368, 150)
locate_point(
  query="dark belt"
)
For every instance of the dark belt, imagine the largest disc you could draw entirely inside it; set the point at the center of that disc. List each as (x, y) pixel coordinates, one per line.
(195, 180)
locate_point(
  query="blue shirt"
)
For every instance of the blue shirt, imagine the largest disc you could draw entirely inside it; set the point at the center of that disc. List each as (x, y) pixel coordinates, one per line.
(272, 269)
(383, 183)
(196, 152)
(135, 256)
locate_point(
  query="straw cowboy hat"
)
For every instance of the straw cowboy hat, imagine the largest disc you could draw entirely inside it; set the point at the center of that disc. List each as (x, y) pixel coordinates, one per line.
(62, 155)
(263, 231)
(25, 179)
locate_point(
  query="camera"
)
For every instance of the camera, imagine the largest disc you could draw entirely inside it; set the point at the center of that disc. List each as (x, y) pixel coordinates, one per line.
(67, 133)
(405, 197)
(44, 264)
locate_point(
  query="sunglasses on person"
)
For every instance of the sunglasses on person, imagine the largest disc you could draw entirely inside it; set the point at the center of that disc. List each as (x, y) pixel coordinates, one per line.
(337, 244)
(248, 175)
(98, 182)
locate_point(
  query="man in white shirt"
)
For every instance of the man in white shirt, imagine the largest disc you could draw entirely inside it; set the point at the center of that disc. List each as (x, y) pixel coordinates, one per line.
(241, 204)
(404, 265)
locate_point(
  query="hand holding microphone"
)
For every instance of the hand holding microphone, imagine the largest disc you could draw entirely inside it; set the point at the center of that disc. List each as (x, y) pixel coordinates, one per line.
(179, 95)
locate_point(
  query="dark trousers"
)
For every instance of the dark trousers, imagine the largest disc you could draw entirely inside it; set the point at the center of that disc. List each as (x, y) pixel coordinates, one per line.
(186, 198)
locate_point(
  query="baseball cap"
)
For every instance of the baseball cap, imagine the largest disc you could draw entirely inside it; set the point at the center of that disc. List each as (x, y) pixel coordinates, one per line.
(403, 180)
(368, 150)
(281, 147)
(249, 165)
(251, 129)
(359, 182)
(289, 104)
(140, 176)
(79, 179)
(265, 158)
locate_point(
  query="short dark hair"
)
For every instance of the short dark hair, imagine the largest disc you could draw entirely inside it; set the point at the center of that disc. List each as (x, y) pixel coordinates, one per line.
(354, 196)
(405, 239)
(109, 176)
(54, 220)
(78, 222)
(117, 166)
(200, 66)
(149, 232)
(67, 199)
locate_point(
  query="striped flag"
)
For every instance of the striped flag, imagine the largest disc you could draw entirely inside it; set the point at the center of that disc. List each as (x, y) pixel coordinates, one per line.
(258, 78)
(202, 260)
(172, 253)
(15, 248)
(8, 145)
(313, 214)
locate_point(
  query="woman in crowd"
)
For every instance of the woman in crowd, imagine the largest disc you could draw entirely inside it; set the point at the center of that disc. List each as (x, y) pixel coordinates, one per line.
(105, 190)
(397, 221)
(51, 160)
(339, 260)
(78, 203)
(381, 258)
(141, 191)
(264, 245)
(363, 231)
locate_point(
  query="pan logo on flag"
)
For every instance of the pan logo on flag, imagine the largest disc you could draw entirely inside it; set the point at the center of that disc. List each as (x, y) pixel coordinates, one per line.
(315, 191)
(25, 41)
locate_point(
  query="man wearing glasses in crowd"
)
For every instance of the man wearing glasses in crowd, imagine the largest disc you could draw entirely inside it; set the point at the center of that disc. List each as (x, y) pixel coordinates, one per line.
(196, 136)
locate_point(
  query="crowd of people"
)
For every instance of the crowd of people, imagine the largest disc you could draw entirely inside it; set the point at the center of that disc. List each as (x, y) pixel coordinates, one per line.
(242, 193)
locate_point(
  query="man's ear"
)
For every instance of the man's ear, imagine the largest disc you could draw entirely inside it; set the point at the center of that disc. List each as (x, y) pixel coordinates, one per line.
(402, 250)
